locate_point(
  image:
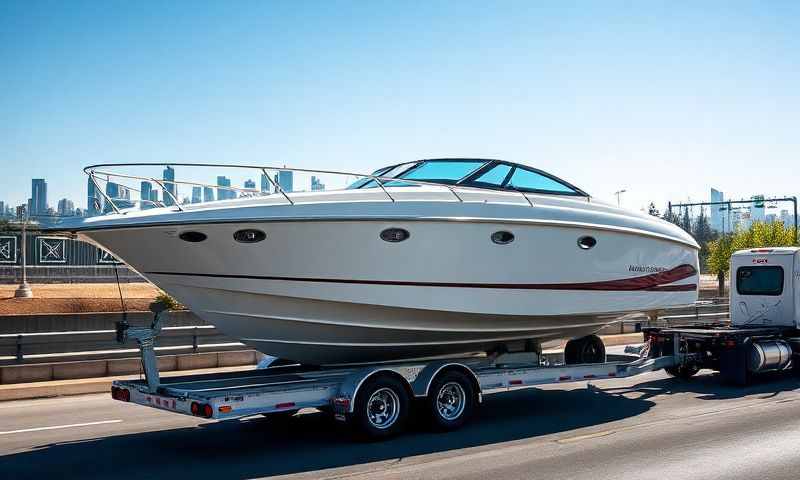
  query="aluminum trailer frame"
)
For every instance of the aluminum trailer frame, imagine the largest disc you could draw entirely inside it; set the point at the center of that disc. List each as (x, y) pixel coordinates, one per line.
(290, 388)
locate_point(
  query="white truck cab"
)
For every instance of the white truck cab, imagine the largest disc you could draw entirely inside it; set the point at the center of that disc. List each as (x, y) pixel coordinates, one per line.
(765, 287)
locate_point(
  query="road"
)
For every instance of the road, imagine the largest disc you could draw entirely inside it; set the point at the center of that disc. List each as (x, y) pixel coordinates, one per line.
(650, 426)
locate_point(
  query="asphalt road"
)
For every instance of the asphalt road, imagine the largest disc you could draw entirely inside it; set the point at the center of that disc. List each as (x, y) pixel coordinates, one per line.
(649, 426)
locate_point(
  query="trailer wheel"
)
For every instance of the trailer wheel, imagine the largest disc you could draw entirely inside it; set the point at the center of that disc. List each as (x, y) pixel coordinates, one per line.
(684, 371)
(589, 349)
(381, 408)
(451, 401)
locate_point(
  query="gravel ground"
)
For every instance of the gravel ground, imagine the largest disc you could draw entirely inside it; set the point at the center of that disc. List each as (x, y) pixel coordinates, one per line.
(77, 297)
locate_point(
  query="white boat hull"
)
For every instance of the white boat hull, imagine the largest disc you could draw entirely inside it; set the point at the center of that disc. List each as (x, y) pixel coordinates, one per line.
(326, 292)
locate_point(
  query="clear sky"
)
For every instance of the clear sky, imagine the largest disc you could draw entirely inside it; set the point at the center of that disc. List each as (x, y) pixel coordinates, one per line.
(664, 99)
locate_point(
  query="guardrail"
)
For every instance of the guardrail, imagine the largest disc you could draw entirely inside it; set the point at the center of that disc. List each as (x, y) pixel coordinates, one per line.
(25, 348)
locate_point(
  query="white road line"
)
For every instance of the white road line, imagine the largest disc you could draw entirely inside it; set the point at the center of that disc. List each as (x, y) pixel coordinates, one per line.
(56, 427)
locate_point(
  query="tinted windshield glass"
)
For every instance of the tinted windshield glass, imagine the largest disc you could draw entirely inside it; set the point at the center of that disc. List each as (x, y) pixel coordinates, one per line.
(494, 176)
(759, 280)
(529, 180)
(449, 172)
(382, 172)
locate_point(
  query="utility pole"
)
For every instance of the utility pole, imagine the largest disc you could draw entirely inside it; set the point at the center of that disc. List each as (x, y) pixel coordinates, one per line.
(24, 290)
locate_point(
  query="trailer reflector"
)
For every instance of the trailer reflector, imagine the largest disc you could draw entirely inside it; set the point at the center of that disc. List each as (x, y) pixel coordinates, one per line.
(515, 382)
(208, 412)
(564, 377)
(225, 408)
(285, 405)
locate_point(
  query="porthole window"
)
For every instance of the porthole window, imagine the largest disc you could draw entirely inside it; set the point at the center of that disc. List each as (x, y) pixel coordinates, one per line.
(193, 237)
(587, 242)
(249, 235)
(394, 235)
(502, 237)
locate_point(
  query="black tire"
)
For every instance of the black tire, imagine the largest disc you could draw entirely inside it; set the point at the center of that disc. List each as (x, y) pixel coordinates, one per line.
(588, 349)
(683, 371)
(451, 401)
(381, 409)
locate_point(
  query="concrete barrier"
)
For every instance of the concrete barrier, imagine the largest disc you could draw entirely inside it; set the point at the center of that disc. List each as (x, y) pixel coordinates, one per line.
(42, 372)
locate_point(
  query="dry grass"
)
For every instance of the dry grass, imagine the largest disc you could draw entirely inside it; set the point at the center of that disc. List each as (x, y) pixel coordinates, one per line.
(77, 297)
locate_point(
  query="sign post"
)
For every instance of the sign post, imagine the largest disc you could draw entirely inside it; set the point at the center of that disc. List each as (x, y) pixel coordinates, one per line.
(24, 290)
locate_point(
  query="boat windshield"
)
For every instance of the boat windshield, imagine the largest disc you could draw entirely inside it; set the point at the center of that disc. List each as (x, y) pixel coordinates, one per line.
(489, 174)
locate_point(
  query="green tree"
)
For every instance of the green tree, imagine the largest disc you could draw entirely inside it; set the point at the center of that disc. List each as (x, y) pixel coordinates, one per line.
(686, 221)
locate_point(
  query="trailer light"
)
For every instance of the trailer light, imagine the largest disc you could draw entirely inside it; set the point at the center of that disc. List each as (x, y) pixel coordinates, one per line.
(115, 393)
(564, 377)
(208, 412)
(225, 408)
(612, 374)
(342, 402)
(730, 343)
(195, 408)
(284, 405)
(515, 382)
(590, 376)
(124, 395)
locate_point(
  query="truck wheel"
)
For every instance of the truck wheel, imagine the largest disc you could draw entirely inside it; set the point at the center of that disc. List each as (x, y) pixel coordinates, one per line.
(381, 408)
(588, 349)
(683, 371)
(451, 401)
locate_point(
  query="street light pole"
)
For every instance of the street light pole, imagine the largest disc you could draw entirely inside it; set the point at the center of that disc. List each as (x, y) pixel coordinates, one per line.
(24, 290)
(618, 193)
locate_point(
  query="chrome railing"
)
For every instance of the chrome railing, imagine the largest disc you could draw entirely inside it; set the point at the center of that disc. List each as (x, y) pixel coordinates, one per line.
(101, 172)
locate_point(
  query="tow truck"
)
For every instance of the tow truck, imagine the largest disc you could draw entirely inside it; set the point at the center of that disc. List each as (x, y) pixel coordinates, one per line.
(378, 400)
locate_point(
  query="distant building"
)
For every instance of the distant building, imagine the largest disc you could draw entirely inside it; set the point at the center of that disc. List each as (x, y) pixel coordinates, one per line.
(154, 196)
(719, 213)
(169, 186)
(285, 178)
(316, 184)
(66, 208)
(224, 193)
(145, 193)
(2, 209)
(264, 183)
(197, 193)
(119, 194)
(38, 197)
(208, 194)
(94, 202)
(250, 184)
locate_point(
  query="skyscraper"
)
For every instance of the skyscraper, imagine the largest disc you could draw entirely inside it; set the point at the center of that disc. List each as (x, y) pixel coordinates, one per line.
(223, 193)
(145, 192)
(38, 196)
(264, 183)
(66, 208)
(250, 184)
(757, 211)
(169, 178)
(2, 209)
(119, 194)
(208, 194)
(718, 212)
(316, 184)
(197, 194)
(94, 202)
(285, 178)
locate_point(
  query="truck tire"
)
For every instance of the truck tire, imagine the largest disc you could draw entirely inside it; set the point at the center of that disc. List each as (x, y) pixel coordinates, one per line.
(589, 349)
(683, 371)
(381, 409)
(451, 401)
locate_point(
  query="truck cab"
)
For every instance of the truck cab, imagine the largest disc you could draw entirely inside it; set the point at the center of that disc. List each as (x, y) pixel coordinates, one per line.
(765, 287)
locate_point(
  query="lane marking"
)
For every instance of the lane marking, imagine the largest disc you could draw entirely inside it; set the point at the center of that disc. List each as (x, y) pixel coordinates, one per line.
(57, 427)
(578, 438)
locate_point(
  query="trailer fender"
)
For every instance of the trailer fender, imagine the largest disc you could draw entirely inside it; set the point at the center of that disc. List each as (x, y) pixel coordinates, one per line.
(421, 386)
(352, 384)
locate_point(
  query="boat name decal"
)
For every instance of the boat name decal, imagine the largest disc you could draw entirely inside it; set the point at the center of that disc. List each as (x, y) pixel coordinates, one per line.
(646, 268)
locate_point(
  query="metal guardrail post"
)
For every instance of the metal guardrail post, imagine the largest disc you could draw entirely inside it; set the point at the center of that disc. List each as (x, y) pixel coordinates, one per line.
(194, 340)
(19, 348)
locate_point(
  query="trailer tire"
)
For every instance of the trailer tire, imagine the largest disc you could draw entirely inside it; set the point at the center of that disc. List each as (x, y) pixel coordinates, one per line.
(683, 371)
(589, 349)
(451, 401)
(381, 408)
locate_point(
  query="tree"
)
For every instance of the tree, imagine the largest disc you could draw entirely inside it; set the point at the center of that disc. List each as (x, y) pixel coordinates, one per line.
(701, 230)
(671, 217)
(652, 210)
(686, 221)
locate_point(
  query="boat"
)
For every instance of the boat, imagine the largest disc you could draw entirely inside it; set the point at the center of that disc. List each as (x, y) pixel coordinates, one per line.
(427, 258)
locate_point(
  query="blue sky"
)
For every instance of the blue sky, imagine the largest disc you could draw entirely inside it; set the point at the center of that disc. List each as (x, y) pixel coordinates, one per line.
(665, 99)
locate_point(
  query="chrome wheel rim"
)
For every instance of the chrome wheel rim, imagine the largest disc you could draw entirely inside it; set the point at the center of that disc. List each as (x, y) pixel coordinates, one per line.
(383, 408)
(450, 401)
